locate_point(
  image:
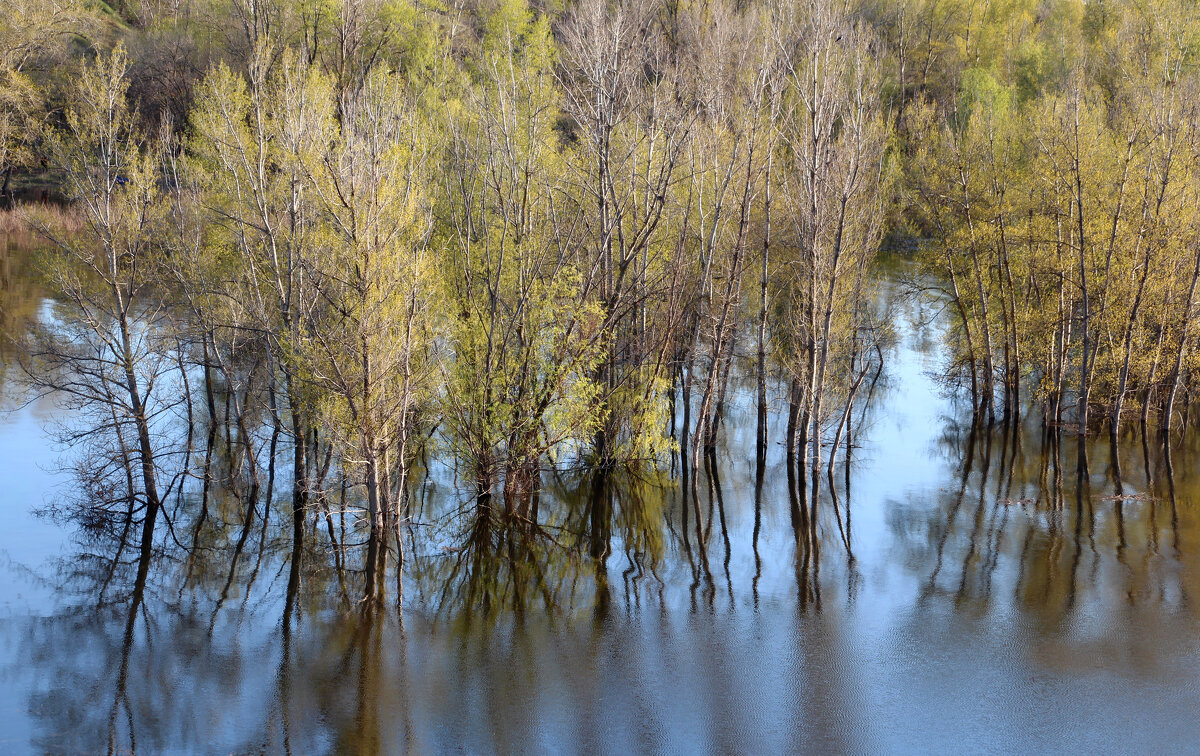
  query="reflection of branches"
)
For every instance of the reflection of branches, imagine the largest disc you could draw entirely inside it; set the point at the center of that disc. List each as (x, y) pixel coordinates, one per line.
(952, 515)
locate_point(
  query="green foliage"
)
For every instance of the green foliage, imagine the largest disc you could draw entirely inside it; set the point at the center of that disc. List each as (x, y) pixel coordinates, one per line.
(982, 93)
(1059, 205)
(524, 232)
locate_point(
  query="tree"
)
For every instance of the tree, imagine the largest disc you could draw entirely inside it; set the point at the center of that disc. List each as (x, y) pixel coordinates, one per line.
(105, 354)
(29, 30)
(833, 179)
(620, 90)
(519, 390)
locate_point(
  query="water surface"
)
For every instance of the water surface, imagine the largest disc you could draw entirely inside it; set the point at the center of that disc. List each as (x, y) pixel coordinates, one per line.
(992, 599)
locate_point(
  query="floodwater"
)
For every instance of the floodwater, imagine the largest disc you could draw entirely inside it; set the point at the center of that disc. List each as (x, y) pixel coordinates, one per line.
(995, 601)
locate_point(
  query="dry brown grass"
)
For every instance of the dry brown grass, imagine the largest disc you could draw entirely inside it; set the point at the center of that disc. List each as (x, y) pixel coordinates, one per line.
(26, 218)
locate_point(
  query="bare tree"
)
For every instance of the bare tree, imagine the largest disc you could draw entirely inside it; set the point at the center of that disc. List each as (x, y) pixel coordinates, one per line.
(104, 355)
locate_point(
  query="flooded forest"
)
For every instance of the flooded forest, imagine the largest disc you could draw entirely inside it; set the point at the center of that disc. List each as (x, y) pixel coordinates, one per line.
(599, 376)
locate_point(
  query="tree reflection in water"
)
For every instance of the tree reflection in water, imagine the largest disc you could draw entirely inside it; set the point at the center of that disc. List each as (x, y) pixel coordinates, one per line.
(640, 612)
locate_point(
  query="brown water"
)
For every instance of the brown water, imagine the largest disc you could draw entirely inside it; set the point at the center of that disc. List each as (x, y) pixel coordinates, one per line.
(994, 602)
